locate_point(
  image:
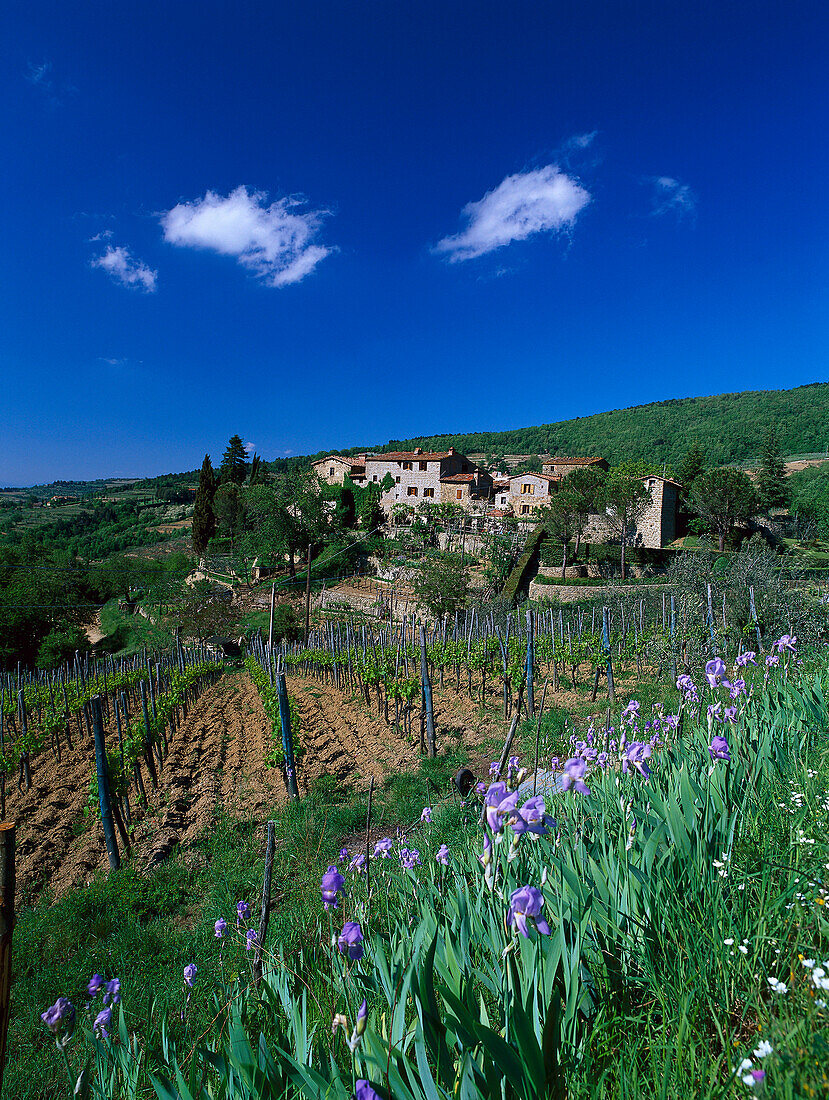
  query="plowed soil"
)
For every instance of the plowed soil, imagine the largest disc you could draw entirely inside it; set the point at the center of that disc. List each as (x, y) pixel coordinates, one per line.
(215, 763)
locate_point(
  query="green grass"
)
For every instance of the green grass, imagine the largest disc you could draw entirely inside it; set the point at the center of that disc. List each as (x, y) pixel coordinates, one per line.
(126, 634)
(145, 928)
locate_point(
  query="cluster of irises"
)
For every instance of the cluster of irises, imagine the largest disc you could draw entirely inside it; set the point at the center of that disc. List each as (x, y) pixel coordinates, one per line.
(60, 1017)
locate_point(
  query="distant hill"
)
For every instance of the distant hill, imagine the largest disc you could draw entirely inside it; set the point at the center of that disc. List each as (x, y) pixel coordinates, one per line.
(730, 426)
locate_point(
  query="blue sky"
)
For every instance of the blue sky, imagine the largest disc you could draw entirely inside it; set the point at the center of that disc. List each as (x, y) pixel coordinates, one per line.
(329, 224)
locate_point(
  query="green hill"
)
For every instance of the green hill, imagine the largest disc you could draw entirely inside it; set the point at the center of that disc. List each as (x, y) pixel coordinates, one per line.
(730, 426)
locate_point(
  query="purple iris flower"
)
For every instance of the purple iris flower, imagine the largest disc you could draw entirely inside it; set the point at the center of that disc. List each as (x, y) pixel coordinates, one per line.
(671, 721)
(573, 775)
(426, 816)
(96, 984)
(332, 886)
(251, 939)
(343, 854)
(383, 847)
(737, 689)
(554, 762)
(718, 749)
(113, 992)
(525, 904)
(442, 855)
(359, 1030)
(61, 1012)
(714, 671)
(747, 658)
(493, 768)
(190, 975)
(785, 641)
(102, 1022)
(772, 659)
(485, 857)
(498, 811)
(635, 756)
(409, 858)
(631, 712)
(358, 863)
(730, 714)
(480, 788)
(601, 759)
(687, 686)
(512, 764)
(714, 713)
(351, 940)
(242, 911)
(364, 1091)
(220, 927)
(612, 744)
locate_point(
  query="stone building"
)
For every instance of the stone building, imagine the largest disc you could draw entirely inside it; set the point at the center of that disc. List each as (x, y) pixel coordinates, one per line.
(426, 475)
(334, 469)
(655, 527)
(529, 492)
(561, 467)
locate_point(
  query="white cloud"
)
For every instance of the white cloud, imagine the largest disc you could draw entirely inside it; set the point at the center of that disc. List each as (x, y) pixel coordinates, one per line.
(40, 75)
(581, 141)
(541, 200)
(111, 362)
(250, 448)
(126, 269)
(273, 241)
(671, 196)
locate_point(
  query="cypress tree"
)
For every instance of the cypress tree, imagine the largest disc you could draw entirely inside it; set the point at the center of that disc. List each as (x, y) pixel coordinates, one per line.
(234, 465)
(204, 520)
(771, 478)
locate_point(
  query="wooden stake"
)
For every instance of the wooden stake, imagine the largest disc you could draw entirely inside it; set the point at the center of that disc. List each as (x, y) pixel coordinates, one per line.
(266, 906)
(6, 928)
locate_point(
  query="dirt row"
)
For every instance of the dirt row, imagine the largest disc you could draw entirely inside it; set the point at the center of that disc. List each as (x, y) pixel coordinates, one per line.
(215, 763)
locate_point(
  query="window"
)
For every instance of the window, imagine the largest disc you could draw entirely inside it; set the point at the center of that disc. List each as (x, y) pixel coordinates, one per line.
(407, 465)
(525, 509)
(528, 489)
(411, 491)
(330, 471)
(465, 468)
(422, 466)
(374, 478)
(459, 493)
(428, 492)
(397, 481)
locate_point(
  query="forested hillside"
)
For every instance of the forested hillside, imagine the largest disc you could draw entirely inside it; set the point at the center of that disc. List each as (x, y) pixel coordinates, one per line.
(730, 427)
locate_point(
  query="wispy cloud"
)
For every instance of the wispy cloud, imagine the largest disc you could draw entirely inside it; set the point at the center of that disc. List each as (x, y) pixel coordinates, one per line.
(126, 269)
(250, 447)
(42, 76)
(273, 240)
(669, 196)
(538, 201)
(581, 141)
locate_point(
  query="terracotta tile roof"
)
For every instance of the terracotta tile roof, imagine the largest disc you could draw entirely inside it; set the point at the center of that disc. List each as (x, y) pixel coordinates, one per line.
(409, 456)
(458, 477)
(352, 462)
(571, 461)
(549, 478)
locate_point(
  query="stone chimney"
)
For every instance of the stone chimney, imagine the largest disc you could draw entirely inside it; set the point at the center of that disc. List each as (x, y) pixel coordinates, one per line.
(418, 450)
(451, 450)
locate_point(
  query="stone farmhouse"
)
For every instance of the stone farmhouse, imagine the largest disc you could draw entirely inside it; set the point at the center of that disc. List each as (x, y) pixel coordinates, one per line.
(449, 477)
(561, 467)
(334, 469)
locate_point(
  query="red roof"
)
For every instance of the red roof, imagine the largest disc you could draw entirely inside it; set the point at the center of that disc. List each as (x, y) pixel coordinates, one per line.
(549, 478)
(352, 462)
(570, 461)
(458, 477)
(409, 456)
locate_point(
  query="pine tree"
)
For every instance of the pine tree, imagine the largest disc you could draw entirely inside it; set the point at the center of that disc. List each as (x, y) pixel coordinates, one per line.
(204, 521)
(234, 465)
(771, 478)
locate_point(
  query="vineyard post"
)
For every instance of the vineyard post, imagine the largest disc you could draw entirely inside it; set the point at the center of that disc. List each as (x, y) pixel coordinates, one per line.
(266, 906)
(538, 737)
(673, 639)
(711, 623)
(107, 819)
(6, 929)
(2, 770)
(270, 633)
(611, 689)
(287, 740)
(754, 619)
(427, 695)
(530, 669)
(24, 756)
(148, 740)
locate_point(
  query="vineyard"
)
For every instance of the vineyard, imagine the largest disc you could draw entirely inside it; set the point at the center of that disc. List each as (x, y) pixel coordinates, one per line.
(629, 775)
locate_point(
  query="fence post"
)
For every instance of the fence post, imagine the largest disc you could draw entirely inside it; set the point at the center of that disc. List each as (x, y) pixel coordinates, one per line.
(530, 668)
(6, 928)
(287, 738)
(427, 695)
(266, 906)
(101, 765)
(611, 688)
